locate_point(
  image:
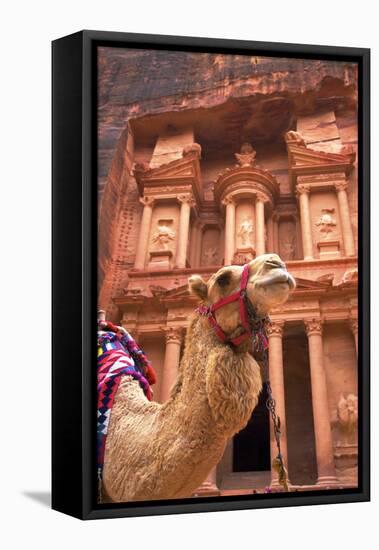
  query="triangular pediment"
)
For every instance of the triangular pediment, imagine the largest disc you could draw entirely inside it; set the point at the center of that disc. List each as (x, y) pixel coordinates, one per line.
(302, 157)
(307, 284)
(187, 167)
(178, 292)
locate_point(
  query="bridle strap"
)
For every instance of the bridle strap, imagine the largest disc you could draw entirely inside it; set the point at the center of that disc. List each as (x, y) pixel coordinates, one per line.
(241, 296)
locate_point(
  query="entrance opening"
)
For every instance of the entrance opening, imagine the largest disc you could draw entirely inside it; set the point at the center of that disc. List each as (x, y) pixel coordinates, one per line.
(251, 448)
(299, 415)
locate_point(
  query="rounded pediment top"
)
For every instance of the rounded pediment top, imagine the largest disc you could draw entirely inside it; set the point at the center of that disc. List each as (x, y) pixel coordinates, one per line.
(247, 179)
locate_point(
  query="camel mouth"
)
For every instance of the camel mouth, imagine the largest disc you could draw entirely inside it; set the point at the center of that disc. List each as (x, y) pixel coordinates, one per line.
(279, 276)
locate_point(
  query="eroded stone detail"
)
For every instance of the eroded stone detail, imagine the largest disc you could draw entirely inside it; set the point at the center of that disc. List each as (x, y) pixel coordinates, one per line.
(326, 223)
(246, 156)
(163, 236)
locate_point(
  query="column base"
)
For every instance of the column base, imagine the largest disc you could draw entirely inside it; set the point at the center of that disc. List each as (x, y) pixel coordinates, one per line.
(207, 489)
(276, 485)
(326, 481)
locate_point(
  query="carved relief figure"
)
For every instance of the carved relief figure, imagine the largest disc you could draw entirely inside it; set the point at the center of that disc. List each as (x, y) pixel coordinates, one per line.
(287, 242)
(247, 155)
(245, 231)
(347, 413)
(326, 223)
(163, 235)
(211, 256)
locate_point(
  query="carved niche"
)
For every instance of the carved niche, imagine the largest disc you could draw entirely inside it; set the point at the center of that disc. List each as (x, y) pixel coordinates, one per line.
(245, 232)
(210, 250)
(162, 242)
(287, 239)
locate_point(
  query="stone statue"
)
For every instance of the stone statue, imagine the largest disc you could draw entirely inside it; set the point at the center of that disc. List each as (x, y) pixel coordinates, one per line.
(326, 223)
(163, 236)
(347, 415)
(246, 156)
(245, 230)
(211, 255)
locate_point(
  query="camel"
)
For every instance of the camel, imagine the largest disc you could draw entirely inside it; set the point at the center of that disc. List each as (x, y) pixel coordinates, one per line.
(163, 451)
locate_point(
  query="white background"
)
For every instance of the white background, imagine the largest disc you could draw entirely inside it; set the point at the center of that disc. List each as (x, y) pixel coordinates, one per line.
(27, 29)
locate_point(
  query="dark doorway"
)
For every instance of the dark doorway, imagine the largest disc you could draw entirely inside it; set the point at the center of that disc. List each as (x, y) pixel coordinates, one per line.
(299, 415)
(251, 446)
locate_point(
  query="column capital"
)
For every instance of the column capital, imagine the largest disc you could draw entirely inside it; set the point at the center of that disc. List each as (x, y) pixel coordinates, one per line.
(275, 328)
(260, 197)
(186, 198)
(174, 334)
(303, 189)
(228, 200)
(313, 326)
(340, 185)
(147, 201)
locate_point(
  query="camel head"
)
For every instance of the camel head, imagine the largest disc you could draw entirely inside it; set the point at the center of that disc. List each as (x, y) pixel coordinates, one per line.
(269, 285)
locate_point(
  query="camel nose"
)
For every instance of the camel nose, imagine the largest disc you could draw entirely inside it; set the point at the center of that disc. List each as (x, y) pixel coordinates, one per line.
(276, 263)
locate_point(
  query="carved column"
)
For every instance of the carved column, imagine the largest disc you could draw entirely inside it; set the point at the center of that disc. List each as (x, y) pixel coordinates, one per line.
(174, 338)
(347, 230)
(260, 247)
(148, 202)
(353, 322)
(275, 219)
(320, 405)
(275, 349)
(270, 234)
(230, 230)
(185, 211)
(209, 485)
(298, 238)
(199, 242)
(305, 218)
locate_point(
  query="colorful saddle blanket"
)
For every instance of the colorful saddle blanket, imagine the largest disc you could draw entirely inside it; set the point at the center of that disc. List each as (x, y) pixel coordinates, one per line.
(118, 355)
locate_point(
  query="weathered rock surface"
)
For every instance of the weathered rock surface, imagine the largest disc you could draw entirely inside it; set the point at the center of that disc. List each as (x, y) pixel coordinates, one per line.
(226, 100)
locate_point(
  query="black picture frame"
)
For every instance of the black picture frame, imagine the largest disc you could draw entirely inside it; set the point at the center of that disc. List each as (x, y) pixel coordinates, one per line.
(74, 269)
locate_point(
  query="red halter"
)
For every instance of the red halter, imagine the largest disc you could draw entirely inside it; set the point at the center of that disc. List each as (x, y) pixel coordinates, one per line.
(240, 295)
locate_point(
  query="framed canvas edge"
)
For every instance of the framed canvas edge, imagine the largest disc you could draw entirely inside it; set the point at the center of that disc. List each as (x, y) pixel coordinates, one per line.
(85, 455)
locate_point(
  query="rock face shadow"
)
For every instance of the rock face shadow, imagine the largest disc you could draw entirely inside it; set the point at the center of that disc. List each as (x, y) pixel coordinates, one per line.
(42, 497)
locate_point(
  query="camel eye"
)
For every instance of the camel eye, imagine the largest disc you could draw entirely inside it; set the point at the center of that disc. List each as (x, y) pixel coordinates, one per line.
(224, 279)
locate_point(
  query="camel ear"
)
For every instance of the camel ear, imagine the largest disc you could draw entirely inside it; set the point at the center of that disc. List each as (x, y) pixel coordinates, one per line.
(198, 287)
